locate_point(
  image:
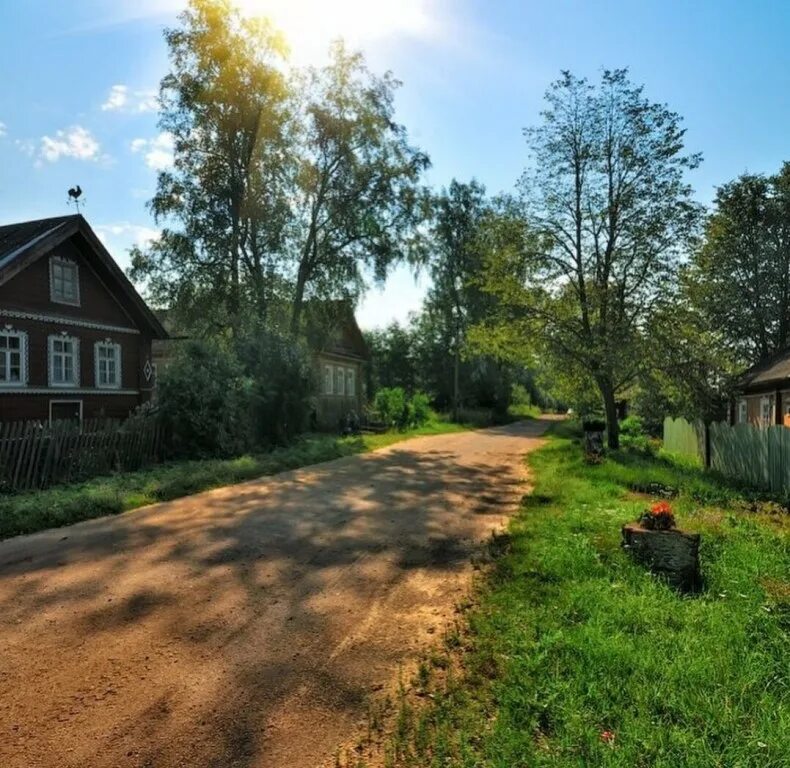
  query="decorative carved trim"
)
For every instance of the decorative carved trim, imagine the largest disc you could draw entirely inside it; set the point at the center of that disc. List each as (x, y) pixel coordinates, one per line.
(118, 362)
(25, 357)
(65, 391)
(60, 320)
(63, 336)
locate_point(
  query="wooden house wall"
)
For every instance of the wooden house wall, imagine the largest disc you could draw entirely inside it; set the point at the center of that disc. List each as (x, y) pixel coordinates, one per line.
(29, 293)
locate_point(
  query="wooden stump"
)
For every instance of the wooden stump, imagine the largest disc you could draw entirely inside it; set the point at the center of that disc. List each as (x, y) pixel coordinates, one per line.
(672, 554)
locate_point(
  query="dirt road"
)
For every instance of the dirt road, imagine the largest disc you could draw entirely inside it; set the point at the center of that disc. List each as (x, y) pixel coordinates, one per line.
(245, 626)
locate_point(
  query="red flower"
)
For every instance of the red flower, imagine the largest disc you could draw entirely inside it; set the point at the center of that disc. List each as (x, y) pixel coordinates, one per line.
(607, 737)
(661, 509)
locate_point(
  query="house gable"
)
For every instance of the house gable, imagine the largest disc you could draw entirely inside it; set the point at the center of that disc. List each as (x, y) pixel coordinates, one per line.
(106, 296)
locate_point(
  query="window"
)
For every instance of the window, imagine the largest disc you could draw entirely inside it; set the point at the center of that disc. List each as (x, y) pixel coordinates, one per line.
(13, 358)
(108, 364)
(340, 381)
(765, 411)
(64, 361)
(327, 379)
(64, 285)
(350, 382)
(742, 412)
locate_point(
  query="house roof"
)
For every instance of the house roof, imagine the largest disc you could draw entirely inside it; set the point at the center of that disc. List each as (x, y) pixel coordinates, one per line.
(25, 242)
(332, 328)
(775, 370)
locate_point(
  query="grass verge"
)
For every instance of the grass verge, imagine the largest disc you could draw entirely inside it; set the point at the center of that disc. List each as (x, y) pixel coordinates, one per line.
(574, 656)
(111, 494)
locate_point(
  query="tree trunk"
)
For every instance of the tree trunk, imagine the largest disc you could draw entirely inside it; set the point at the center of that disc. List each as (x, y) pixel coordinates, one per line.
(610, 408)
(456, 387)
(296, 310)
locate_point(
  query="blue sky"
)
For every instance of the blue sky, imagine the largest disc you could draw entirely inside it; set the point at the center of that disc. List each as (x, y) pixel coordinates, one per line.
(78, 80)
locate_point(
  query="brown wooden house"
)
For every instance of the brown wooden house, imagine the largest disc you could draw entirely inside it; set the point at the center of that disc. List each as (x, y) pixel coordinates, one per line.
(763, 393)
(75, 336)
(340, 356)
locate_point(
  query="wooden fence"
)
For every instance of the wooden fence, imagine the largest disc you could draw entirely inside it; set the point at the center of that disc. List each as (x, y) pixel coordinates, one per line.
(685, 438)
(756, 456)
(36, 455)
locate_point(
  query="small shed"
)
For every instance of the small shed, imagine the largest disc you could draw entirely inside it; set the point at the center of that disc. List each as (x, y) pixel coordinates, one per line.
(762, 394)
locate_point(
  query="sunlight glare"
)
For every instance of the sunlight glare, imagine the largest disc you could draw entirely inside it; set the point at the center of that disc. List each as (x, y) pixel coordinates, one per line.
(310, 25)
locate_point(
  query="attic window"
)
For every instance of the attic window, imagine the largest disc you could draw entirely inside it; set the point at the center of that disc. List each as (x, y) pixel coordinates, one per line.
(64, 284)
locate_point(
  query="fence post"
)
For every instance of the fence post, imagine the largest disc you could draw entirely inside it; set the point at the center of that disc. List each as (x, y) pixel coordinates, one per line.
(706, 458)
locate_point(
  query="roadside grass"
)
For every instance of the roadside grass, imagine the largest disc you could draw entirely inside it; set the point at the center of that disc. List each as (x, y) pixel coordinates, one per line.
(111, 494)
(573, 656)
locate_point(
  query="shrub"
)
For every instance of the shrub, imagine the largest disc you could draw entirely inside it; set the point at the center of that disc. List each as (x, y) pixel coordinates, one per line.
(397, 410)
(633, 436)
(205, 402)
(282, 384)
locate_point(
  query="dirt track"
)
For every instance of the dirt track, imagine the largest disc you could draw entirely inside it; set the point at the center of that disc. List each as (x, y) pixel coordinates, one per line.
(245, 626)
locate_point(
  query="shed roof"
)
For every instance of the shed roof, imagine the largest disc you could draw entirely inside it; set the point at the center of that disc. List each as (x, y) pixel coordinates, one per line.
(775, 370)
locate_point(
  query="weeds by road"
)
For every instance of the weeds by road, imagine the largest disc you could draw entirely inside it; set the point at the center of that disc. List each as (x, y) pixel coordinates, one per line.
(35, 511)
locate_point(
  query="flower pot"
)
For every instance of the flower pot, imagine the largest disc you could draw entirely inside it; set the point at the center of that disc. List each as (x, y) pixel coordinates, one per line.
(672, 554)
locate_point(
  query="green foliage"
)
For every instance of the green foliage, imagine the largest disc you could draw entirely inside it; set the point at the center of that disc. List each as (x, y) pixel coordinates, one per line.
(633, 436)
(396, 409)
(608, 169)
(281, 385)
(205, 402)
(571, 639)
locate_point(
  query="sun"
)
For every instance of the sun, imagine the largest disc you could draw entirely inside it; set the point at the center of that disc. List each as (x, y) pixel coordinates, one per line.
(310, 25)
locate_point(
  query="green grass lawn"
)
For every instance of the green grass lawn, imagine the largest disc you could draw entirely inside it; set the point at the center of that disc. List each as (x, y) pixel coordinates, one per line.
(111, 494)
(568, 639)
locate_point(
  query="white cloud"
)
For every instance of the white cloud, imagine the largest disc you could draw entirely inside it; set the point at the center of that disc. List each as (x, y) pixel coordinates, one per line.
(158, 152)
(3, 129)
(121, 99)
(75, 142)
(125, 234)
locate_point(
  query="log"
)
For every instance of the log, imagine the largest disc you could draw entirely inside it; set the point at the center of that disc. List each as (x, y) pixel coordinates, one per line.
(672, 554)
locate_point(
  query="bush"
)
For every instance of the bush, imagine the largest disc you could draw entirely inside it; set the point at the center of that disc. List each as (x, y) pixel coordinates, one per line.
(398, 411)
(282, 384)
(633, 436)
(205, 402)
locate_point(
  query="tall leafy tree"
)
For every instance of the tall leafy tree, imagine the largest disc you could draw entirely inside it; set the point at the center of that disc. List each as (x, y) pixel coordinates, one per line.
(739, 279)
(224, 205)
(358, 200)
(611, 211)
(454, 264)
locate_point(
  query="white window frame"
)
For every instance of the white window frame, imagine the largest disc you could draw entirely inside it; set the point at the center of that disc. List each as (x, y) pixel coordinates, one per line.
(116, 349)
(765, 420)
(329, 379)
(64, 262)
(9, 332)
(743, 411)
(351, 382)
(340, 381)
(75, 382)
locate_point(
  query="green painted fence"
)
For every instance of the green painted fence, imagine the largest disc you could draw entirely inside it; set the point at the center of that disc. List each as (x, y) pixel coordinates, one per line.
(756, 456)
(685, 438)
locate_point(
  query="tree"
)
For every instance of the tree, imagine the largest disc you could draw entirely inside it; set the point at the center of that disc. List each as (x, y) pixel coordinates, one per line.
(739, 280)
(225, 202)
(358, 198)
(454, 263)
(610, 213)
